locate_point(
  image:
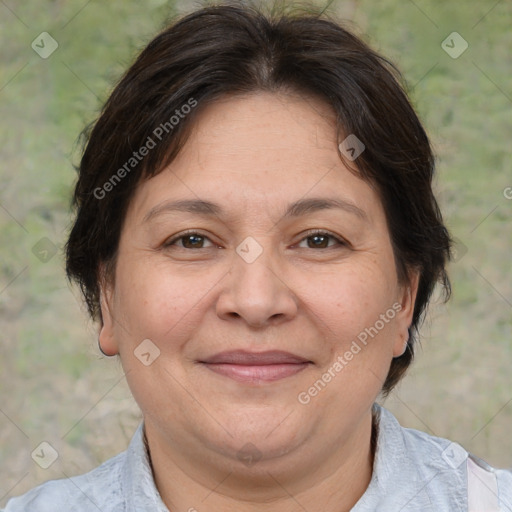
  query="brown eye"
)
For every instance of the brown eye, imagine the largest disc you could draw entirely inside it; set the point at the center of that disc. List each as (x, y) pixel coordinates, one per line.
(320, 240)
(192, 241)
(188, 241)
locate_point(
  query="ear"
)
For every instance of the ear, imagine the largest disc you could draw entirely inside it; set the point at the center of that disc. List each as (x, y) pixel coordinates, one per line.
(405, 306)
(106, 337)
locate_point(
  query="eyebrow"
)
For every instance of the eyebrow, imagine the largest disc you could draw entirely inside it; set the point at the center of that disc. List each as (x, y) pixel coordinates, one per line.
(296, 209)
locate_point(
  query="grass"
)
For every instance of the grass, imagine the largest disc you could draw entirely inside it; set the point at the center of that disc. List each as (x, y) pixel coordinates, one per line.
(54, 386)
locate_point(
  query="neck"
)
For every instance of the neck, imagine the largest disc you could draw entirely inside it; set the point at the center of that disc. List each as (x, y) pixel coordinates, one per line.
(331, 480)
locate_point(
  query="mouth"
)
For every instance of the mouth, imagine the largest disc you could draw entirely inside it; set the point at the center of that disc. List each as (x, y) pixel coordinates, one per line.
(256, 367)
(255, 374)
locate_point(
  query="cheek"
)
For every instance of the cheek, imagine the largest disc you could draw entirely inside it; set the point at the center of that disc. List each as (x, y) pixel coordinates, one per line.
(351, 299)
(356, 318)
(159, 302)
(353, 311)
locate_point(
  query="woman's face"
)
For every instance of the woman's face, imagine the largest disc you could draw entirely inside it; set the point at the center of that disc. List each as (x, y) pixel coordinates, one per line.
(254, 277)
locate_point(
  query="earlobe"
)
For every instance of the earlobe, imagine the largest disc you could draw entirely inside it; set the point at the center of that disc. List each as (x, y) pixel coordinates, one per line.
(405, 315)
(401, 346)
(106, 338)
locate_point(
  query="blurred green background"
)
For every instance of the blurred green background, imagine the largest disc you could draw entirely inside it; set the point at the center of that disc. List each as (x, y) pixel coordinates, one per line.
(54, 384)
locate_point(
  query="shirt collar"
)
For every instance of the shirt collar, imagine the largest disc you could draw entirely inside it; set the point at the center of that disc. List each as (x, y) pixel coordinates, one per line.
(138, 484)
(408, 470)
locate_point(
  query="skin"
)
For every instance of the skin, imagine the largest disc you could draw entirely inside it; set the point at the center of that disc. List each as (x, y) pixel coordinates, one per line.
(253, 155)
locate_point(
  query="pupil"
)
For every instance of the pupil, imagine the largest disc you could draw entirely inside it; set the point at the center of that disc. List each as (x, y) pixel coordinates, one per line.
(194, 240)
(319, 240)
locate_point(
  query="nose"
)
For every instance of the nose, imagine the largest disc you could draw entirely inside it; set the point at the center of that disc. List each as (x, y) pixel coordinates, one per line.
(255, 291)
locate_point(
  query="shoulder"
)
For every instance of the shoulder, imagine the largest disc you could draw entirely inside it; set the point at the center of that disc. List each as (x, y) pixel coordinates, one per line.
(122, 483)
(86, 492)
(446, 468)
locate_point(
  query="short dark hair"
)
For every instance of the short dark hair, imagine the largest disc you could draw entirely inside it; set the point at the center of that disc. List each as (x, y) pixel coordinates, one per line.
(231, 49)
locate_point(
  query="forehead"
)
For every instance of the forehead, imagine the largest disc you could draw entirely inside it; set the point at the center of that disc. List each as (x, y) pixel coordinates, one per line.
(258, 150)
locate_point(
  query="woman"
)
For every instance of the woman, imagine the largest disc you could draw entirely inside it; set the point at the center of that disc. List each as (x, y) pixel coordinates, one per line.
(257, 236)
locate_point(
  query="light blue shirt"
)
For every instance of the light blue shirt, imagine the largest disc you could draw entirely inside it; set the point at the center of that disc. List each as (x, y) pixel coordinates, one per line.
(413, 472)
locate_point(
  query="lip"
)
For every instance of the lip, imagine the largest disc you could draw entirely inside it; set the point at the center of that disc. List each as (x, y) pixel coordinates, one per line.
(246, 358)
(254, 374)
(256, 367)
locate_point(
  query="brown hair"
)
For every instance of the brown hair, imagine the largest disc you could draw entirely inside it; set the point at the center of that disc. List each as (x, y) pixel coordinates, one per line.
(236, 49)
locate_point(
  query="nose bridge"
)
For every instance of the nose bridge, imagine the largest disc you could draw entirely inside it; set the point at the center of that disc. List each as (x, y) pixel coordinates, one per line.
(255, 290)
(255, 264)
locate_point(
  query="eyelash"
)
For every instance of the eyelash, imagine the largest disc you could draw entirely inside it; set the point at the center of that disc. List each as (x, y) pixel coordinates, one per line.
(309, 234)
